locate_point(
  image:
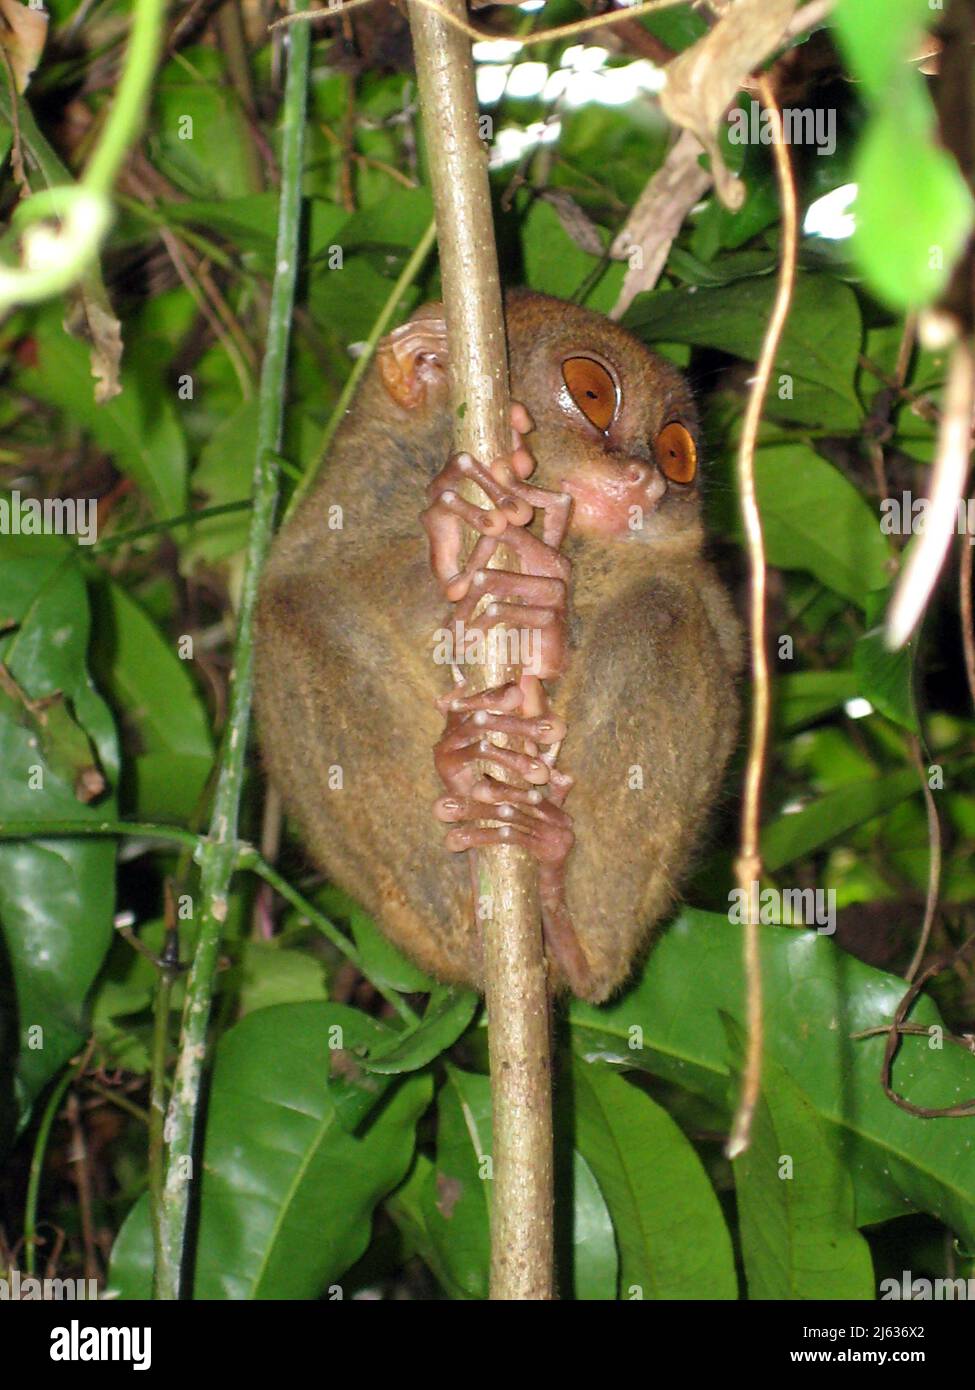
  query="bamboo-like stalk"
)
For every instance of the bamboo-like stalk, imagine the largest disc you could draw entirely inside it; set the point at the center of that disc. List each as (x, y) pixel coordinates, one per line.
(219, 853)
(514, 967)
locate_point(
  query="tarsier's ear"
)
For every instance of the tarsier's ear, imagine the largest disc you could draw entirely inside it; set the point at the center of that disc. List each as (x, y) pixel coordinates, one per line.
(412, 360)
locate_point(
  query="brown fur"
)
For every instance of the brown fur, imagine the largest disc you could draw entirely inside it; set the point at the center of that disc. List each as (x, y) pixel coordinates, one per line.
(345, 677)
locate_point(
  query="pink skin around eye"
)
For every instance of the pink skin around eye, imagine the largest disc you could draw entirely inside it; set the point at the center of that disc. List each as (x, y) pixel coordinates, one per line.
(605, 496)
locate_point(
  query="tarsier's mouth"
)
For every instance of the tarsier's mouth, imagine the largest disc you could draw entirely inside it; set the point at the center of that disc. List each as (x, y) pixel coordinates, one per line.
(614, 504)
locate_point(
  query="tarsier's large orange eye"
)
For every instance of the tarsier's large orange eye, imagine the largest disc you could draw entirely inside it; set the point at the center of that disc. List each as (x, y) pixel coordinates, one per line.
(676, 453)
(592, 388)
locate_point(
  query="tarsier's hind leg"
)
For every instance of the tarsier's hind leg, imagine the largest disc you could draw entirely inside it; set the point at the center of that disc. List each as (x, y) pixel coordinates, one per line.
(344, 747)
(647, 746)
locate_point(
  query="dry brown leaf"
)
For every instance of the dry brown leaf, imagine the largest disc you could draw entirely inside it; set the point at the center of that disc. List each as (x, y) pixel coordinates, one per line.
(658, 215)
(23, 32)
(575, 223)
(704, 80)
(91, 319)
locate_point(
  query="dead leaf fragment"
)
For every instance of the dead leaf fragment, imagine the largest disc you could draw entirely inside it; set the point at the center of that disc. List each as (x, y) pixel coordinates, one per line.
(91, 319)
(703, 81)
(23, 32)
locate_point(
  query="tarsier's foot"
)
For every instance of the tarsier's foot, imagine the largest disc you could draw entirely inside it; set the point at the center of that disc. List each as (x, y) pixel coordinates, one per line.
(483, 809)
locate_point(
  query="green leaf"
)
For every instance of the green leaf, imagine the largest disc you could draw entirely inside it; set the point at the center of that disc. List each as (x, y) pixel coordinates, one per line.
(804, 696)
(814, 519)
(198, 134)
(814, 374)
(456, 1200)
(876, 36)
(158, 701)
(222, 475)
(248, 222)
(595, 1263)
(908, 260)
(287, 1195)
(554, 264)
(793, 836)
(139, 429)
(448, 1013)
(271, 974)
(381, 961)
(816, 998)
(795, 1200)
(57, 896)
(886, 678)
(672, 1237)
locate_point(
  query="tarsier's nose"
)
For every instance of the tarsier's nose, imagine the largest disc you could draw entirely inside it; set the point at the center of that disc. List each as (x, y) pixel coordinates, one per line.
(645, 480)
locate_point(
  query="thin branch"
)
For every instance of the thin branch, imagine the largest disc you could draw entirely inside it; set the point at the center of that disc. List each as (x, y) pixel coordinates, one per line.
(965, 604)
(455, 20)
(408, 274)
(246, 857)
(220, 852)
(51, 1109)
(934, 861)
(894, 1033)
(515, 979)
(748, 866)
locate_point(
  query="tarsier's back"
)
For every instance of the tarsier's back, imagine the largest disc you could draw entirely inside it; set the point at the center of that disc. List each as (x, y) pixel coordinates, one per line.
(639, 651)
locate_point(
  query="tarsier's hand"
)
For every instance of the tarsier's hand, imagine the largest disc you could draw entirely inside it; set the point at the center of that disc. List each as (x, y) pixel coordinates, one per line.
(525, 808)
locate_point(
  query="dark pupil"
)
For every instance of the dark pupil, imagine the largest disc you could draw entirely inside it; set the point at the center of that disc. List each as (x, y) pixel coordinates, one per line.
(591, 395)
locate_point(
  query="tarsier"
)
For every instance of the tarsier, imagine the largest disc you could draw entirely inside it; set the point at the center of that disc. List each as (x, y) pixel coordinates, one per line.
(639, 651)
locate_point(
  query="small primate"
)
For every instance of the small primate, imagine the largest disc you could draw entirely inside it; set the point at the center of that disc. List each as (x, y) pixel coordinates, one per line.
(639, 651)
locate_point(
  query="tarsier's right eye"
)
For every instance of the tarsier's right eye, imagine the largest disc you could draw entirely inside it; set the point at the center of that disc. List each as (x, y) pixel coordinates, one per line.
(592, 389)
(676, 453)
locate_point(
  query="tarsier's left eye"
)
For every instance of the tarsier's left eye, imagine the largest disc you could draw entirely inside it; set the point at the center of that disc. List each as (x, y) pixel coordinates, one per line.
(676, 453)
(592, 388)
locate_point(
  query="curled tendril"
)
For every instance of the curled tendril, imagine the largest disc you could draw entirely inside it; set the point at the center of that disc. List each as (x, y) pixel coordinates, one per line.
(60, 231)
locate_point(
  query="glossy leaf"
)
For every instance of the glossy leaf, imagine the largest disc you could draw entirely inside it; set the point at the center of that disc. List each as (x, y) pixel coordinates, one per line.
(448, 1013)
(795, 1200)
(159, 704)
(287, 1195)
(814, 519)
(457, 1197)
(813, 379)
(56, 896)
(816, 998)
(672, 1237)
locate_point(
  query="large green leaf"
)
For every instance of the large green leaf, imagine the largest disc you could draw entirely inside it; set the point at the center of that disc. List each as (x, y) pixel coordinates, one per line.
(199, 136)
(287, 1194)
(813, 379)
(795, 1201)
(816, 998)
(158, 702)
(56, 896)
(791, 837)
(445, 1207)
(908, 259)
(876, 34)
(555, 264)
(456, 1200)
(448, 1013)
(815, 519)
(139, 429)
(672, 1237)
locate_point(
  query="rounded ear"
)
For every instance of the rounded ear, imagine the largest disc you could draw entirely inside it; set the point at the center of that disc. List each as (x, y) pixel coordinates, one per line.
(412, 360)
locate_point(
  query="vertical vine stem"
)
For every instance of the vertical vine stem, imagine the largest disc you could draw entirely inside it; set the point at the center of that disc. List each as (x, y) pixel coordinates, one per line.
(218, 854)
(748, 865)
(515, 982)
